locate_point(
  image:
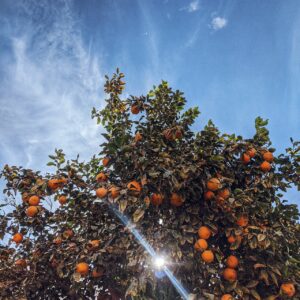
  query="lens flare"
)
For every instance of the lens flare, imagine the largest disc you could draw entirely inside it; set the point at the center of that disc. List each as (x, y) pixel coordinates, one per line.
(158, 261)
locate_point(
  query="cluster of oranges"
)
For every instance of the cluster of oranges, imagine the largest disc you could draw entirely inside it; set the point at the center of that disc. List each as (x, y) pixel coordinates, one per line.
(201, 245)
(215, 191)
(33, 201)
(229, 273)
(134, 187)
(267, 156)
(33, 207)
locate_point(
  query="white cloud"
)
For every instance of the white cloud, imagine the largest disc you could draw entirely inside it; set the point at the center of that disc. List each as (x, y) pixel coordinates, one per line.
(218, 23)
(48, 87)
(192, 7)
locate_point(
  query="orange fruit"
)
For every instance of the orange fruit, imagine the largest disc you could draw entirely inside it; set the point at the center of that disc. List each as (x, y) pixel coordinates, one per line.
(82, 268)
(231, 239)
(251, 152)
(224, 193)
(176, 200)
(134, 186)
(55, 184)
(138, 137)
(93, 244)
(57, 241)
(201, 245)
(178, 134)
(288, 289)
(156, 199)
(209, 195)
(101, 192)
(31, 211)
(265, 166)
(34, 200)
(268, 156)
(213, 184)
(245, 158)
(101, 177)
(17, 238)
(114, 191)
(204, 232)
(168, 134)
(68, 233)
(135, 109)
(230, 274)
(21, 262)
(208, 256)
(62, 199)
(105, 161)
(232, 262)
(97, 273)
(242, 221)
(227, 297)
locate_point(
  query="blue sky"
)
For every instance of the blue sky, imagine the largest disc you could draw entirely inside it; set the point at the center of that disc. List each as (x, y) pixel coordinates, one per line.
(234, 59)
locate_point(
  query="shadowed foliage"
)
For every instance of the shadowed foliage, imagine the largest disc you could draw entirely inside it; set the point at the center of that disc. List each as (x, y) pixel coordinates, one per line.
(212, 203)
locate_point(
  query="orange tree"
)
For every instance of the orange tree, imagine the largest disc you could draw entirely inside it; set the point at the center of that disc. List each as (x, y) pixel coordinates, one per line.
(210, 202)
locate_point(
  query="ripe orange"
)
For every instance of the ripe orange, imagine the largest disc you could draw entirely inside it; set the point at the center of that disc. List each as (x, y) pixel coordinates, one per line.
(134, 186)
(224, 193)
(21, 262)
(135, 109)
(209, 195)
(176, 200)
(227, 297)
(208, 256)
(93, 244)
(213, 184)
(68, 233)
(251, 152)
(178, 134)
(54, 184)
(17, 238)
(101, 192)
(34, 200)
(31, 211)
(232, 262)
(265, 166)
(242, 221)
(204, 232)
(288, 289)
(268, 156)
(101, 177)
(201, 245)
(114, 191)
(230, 274)
(245, 158)
(231, 239)
(62, 199)
(138, 137)
(82, 268)
(168, 134)
(97, 273)
(57, 241)
(105, 161)
(156, 199)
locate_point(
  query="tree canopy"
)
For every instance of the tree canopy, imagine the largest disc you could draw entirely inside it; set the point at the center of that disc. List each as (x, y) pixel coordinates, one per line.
(212, 204)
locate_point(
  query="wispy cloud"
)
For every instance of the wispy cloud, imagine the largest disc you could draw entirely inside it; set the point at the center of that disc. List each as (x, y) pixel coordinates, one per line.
(192, 7)
(50, 81)
(218, 23)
